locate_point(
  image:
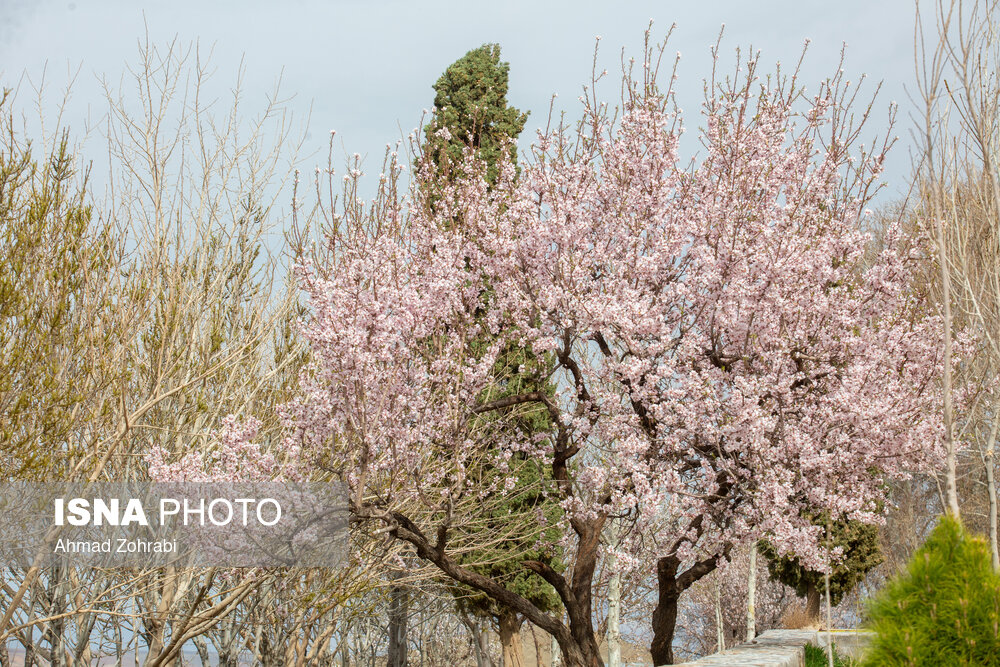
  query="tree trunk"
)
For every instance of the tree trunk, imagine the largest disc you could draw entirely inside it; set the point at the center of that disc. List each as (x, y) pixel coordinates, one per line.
(829, 607)
(665, 614)
(29, 649)
(614, 620)
(670, 585)
(613, 635)
(482, 638)
(991, 488)
(991, 484)
(813, 600)
(582, 649)
(202, 648)
(398, 610)
(510, 640)
(951, 473)
(752, 595)
(56, 628)
(575, 655)
(720, 633)
(664, 624)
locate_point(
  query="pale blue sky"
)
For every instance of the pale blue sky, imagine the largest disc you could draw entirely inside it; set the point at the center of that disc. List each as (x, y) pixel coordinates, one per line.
(367, 67)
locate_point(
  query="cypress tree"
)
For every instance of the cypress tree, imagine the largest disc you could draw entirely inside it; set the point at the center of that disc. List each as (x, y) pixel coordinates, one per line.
(859, 544)
(471, 105)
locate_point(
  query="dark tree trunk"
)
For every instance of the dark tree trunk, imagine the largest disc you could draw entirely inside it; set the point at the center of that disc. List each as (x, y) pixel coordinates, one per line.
(665, 614)
(670, 587)
(574, 655)
(580, 614)
(398, 611)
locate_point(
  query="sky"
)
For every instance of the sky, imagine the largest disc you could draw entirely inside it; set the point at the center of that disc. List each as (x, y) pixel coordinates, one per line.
(365, 68)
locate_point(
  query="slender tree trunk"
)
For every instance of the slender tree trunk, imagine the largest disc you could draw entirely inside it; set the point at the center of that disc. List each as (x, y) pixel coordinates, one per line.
(481, 643)
(829, 606)
(556, 654)
(991, 485)
(398, 610)
(119, 648)
(720, 633)
(57, 606)
(228, 654)
(614, 621)
(510, 640)
(82, 654)
(752, 595)
(613, 635)
(829, 623)
(421, 627)
(933, 172)
(202, 648)
(991, 489)
(951, 460)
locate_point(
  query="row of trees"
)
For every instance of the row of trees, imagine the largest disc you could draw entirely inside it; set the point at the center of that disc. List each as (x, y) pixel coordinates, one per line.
(141, 320)
(595, 374)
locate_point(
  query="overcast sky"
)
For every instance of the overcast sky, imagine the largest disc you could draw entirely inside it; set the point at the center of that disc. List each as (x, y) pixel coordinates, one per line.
(366, 68)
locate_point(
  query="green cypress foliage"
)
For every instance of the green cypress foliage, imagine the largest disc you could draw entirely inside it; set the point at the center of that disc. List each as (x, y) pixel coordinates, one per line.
(471, 103)
(944, 609)
(520, 539)
(861, 553)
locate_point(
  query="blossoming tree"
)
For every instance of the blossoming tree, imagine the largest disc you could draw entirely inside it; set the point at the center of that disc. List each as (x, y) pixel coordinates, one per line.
(728, 351)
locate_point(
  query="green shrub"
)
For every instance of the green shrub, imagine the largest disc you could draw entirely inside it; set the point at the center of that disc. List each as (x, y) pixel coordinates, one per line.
(944, 609)
(816, 657)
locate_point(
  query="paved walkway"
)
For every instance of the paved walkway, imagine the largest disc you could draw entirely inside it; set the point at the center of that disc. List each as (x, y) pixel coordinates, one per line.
(782, 648)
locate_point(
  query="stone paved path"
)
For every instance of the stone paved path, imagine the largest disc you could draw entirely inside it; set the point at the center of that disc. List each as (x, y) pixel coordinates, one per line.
(777, 648)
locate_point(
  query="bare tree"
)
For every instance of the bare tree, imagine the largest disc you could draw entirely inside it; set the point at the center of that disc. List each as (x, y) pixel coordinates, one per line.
(960, 191)
(147, 316)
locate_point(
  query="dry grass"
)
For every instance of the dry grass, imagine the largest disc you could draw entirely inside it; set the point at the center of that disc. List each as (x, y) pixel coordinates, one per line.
(796, 618)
